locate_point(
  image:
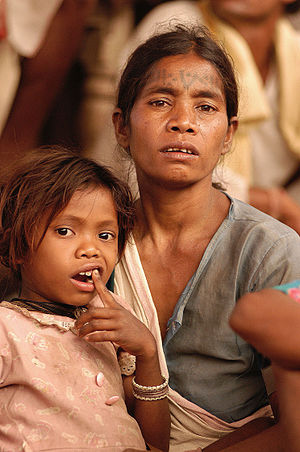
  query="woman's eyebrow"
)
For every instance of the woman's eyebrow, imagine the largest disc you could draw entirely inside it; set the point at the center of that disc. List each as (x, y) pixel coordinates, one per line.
(211, 93)
(208, 93)
(159, 89)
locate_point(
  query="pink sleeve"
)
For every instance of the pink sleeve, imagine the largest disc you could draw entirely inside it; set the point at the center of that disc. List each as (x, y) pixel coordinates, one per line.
(5, 353)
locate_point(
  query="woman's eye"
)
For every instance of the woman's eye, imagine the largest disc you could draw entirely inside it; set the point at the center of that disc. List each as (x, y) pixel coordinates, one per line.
(158, 103)
(206, 108)
(106, 236)
(64, 231)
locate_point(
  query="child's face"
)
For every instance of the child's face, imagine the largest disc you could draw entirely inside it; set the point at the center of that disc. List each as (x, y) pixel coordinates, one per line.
(82, 237)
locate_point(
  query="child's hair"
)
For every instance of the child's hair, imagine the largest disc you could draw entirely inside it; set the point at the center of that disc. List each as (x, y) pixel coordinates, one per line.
(40, 187)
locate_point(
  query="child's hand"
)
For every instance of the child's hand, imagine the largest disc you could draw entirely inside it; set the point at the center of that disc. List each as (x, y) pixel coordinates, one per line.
(115, 324)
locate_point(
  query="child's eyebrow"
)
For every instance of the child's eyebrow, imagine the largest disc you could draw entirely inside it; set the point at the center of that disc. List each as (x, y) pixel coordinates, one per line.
(74, 219)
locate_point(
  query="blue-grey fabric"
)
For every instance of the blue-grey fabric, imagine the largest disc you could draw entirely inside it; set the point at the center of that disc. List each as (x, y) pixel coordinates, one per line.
(208, 363)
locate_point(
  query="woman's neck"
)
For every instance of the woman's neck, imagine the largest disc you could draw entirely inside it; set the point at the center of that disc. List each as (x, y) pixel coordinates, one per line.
(169, 213)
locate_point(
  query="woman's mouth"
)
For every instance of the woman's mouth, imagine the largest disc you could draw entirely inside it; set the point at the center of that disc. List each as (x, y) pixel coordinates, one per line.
(184, 151)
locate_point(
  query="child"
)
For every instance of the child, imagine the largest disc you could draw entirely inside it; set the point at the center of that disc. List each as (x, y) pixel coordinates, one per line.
(64, 222)
(270, 321)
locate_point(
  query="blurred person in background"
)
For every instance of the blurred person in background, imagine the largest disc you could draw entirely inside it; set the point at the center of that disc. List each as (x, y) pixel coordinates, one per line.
(37, 47)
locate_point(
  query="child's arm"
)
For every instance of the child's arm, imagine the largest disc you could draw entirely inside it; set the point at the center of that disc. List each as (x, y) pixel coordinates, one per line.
(116, 324)
(269, 320)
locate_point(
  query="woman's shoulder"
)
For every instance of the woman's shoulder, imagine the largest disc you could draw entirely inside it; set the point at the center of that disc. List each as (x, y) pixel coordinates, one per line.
(243, 213)
(261, 238)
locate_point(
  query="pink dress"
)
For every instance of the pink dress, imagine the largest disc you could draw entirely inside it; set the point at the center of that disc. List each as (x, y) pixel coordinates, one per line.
(50, 396)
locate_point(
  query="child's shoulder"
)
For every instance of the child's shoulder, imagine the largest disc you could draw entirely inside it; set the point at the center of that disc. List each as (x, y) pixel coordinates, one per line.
(11, 316)
(8, 310)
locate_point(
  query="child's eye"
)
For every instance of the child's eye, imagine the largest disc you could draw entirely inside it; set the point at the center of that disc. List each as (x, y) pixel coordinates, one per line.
(64, 231)
(106, 235)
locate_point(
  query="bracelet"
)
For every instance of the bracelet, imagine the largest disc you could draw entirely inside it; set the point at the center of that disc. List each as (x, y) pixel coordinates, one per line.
(150, 393)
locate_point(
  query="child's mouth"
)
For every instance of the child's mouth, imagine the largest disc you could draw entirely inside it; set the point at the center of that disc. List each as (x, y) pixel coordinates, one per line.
(84, 280)
(84, 277)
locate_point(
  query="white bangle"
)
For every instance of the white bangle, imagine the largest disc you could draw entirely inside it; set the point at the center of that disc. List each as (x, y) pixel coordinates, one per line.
(150, 393)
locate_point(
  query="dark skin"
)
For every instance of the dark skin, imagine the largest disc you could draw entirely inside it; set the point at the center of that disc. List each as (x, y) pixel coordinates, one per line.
(269, 320)
(41, 80)
(179, 105)
(113, 323)
(171, 240)
(172, 250)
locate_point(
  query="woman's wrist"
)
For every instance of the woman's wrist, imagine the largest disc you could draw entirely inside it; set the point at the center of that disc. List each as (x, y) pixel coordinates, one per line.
(147, 371)
(148, 350)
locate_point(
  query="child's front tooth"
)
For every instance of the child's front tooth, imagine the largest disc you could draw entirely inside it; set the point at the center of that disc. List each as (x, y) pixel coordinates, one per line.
(82, 273)
(88, 273)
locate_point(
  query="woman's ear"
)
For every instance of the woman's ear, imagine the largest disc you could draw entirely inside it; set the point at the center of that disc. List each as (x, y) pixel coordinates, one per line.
(233, 124)
(121, 131)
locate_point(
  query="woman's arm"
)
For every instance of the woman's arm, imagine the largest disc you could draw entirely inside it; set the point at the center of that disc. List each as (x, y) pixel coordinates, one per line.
(116, 324)
(153, 416)
(268, 440)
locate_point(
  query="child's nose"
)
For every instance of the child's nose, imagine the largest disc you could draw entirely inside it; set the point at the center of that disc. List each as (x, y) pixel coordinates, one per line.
(88, 249)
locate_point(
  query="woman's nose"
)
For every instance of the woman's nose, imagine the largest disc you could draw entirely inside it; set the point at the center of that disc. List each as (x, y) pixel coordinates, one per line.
(183, 120)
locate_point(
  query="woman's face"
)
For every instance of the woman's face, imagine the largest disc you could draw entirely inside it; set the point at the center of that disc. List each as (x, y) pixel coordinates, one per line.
(178, 125)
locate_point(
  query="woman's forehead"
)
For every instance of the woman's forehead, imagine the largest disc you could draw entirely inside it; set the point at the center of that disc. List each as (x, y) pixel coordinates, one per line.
(186, 70)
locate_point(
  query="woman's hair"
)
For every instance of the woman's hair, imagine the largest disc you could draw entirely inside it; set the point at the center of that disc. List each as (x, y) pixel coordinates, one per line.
(180, 40)
(40, 187)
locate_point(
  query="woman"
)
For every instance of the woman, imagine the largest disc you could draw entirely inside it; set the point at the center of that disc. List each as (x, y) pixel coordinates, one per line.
(265, 49)
(195, 250)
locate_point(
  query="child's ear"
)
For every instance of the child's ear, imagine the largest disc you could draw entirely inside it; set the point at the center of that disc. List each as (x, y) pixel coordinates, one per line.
(121, 131)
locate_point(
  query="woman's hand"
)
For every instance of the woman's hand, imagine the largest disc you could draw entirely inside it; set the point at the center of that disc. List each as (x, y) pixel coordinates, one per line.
(115, 324)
